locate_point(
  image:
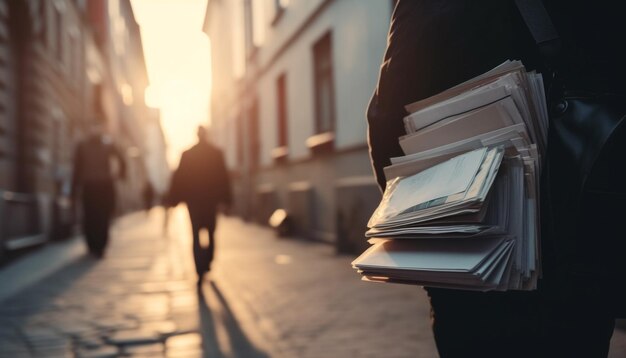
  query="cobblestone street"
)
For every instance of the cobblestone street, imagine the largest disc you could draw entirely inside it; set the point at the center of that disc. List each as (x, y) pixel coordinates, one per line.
(266, 297)
(138, 301)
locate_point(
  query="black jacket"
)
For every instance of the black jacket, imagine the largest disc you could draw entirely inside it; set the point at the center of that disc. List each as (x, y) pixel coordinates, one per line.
(201, 179)
(434, 45)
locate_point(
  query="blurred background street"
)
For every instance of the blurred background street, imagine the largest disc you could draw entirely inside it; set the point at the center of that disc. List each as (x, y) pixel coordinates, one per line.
(265, 297)
(282, 87)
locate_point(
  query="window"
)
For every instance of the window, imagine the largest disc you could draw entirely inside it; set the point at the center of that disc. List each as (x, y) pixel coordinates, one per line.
(43, 21)
(281, 94)
(58, 20)
(254, 140)
(324, 90)
(280, 153)
(74, 55)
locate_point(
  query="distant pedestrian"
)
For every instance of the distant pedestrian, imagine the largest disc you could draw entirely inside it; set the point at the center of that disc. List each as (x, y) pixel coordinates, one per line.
(202, 182)
(148, 196)
(94, 182)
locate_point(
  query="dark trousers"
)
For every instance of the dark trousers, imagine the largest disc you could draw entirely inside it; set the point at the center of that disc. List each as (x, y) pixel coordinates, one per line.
(98, 204)
(203, 218)
(517, 324)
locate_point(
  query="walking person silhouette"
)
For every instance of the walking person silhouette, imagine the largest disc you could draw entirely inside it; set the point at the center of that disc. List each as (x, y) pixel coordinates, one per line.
(202, 182)
(94, 181)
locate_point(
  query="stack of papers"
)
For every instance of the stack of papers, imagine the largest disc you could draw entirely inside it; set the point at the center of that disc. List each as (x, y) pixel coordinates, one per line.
(460, 208)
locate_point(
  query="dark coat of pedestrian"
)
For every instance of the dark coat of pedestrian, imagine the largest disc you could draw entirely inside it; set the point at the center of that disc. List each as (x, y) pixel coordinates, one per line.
(148, 196)
(202, 182)
(94, 181)
(434, 45)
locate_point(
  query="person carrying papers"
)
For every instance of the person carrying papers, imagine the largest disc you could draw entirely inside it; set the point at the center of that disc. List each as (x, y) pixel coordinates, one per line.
(478, 259)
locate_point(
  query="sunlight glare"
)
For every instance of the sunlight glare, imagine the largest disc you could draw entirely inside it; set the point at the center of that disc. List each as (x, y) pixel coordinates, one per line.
(152, 97)
(179, 63)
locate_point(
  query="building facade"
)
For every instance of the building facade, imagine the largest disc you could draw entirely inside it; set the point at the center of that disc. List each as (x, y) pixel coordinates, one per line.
(291, 84)
(62, 68)
(128, 116)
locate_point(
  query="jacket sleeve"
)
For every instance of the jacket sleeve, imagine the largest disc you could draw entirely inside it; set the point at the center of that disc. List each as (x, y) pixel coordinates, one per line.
(417, 65)
(174, 195)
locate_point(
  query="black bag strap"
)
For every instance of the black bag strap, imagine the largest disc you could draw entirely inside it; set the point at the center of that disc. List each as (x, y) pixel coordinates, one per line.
(538, 21)
(542, 29)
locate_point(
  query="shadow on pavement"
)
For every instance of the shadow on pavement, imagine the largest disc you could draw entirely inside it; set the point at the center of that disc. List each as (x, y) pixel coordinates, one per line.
(222, 335)
(30, 321)
(41, 295)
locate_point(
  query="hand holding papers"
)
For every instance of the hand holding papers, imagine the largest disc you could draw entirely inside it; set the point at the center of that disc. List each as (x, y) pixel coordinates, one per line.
(460, 208)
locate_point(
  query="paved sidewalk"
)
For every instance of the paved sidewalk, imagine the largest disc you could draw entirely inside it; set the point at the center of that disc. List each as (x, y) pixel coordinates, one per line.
(140, 301)
(38, 265)
(266, 297)
(306, 301)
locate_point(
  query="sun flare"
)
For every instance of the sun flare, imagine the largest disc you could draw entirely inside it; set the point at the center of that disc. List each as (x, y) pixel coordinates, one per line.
(178, 59)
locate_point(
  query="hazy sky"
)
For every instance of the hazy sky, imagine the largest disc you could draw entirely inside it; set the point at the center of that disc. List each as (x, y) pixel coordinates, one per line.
(178, 58)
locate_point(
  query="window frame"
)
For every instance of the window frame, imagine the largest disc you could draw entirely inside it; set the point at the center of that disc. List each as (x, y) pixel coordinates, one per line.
(281, 151)
(323, 75)
(323, 140)
(282, 110)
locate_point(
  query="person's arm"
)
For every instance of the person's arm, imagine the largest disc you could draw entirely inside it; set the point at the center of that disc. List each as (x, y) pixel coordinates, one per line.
(120, 160)
(173, 195)
(397, 86)
(433, 46)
